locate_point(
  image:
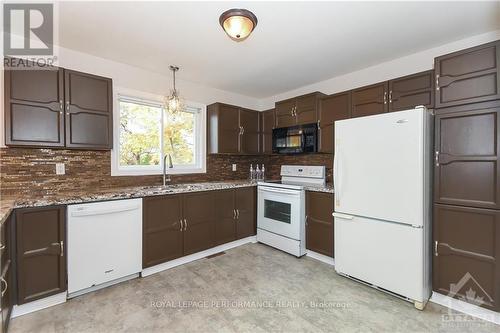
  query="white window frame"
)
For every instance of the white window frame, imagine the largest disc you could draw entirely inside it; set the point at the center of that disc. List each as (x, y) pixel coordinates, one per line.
(143, 170)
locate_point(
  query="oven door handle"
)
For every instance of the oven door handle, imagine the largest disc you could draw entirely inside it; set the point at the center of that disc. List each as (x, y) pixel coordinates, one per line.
(280, 191)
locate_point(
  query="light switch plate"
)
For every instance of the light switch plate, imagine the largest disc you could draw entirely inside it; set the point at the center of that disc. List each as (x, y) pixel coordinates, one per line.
(60, 169)
(234, 167)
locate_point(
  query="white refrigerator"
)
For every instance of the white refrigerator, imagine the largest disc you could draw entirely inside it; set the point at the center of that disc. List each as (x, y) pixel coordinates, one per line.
(382, 178)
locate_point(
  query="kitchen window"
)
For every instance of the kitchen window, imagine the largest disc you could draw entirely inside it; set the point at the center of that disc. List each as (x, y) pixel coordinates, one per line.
(145, 132)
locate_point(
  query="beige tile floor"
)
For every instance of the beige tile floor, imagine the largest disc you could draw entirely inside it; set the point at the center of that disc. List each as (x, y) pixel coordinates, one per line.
(252, 288)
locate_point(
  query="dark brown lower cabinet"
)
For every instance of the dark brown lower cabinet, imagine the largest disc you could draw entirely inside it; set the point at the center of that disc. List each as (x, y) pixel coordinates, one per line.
(199, 221)
(41, 257)
(236, 214)
(467, 254)
(162, 235)
(7, 284)
(319, 222)
(246, 207)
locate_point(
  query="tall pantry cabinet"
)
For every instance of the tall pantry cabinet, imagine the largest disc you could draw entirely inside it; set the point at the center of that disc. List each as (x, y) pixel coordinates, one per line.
(466, 224)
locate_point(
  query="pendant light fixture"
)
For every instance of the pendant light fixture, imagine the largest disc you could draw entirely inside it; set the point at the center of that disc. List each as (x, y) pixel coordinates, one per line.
(238, 23)
(173, 102)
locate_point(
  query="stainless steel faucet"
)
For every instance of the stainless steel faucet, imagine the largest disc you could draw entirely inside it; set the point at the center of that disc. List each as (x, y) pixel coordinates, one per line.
(170, 166)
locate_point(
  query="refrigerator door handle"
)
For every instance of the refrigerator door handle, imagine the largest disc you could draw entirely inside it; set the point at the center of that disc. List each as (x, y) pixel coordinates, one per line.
(342, 216)
(336, 173)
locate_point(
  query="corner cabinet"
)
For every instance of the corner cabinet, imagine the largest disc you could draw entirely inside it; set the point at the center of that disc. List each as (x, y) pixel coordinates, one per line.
(319, 222)
(298, 110)
(57, 107)
(232, 130)
(468, 76)
(41, 254)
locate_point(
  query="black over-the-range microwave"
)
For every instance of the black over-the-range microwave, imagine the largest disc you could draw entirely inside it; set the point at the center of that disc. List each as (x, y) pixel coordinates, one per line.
(295, 139)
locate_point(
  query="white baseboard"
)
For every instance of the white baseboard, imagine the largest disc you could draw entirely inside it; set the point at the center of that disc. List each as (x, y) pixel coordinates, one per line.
(467, 308)
(321, 257)
(37, 305)
(103, 285)
(196, 256)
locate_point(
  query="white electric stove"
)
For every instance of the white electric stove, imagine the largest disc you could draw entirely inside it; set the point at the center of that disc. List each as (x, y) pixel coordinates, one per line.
(281, 208)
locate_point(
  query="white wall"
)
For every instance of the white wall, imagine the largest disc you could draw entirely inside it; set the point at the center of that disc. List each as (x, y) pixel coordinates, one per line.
(413, 63)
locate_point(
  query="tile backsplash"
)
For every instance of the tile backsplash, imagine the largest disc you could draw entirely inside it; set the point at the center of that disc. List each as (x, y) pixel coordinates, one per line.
(32, 171)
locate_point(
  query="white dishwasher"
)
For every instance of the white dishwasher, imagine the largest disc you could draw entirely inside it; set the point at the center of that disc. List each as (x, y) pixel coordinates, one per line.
(104, 244)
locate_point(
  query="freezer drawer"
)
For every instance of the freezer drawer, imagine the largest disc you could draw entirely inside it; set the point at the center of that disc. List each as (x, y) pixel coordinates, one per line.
(104, 242)
(385, 254)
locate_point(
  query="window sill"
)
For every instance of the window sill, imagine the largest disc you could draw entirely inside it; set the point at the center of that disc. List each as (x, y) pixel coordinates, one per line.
(136, 172)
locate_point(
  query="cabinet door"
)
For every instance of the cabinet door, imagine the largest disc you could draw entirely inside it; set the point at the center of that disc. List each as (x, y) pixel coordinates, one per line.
(249, 139)
(162, 235)
(467, 158)
(410, 91)
(331, 108)
(246, 207)
(468, 76)
(89, 111)
(225, 221)
(7, 285)
(199, 218)
(319, 222)
(267, 125)
(284, 113)
(307, 109)
(467, 253)
(41, 259)
(229, 129)
(369, 100)
(34, 108)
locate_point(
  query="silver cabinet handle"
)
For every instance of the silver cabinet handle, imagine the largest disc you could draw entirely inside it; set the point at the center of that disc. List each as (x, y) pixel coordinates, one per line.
(2, 247)
(306, 218)
(242, 130)
(67, 106)
(385, 97)
(2, 280)
(234, 214)
(180, 221)
(436, 248)
(390, 96)
(61, 106)
(436, 157)
(185, 224)
(237, 214)
(437, 82)
(61, 244)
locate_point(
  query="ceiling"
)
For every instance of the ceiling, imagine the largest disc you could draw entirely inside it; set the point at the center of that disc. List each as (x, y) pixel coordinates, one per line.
(293, 45)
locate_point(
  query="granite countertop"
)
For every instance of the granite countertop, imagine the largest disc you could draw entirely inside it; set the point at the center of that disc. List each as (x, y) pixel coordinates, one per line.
(8, 203)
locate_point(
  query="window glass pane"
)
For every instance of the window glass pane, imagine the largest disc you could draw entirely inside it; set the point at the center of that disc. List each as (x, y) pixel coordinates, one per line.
(139, 134)
(179, 138)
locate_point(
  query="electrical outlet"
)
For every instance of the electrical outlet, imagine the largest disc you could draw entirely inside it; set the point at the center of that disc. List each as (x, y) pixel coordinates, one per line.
(234, 167)
(60, 169)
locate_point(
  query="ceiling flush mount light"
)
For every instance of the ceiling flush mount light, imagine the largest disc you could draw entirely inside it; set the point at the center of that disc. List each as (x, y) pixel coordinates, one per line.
(238, 23)
(173, 102)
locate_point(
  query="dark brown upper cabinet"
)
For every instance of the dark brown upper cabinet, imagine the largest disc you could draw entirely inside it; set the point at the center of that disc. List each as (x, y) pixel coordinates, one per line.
(162, 229)
(41, 256)
(249, 138)
(319, 222)
(467, 145)
(199, 221)
(467, 253)
(298, 110)
(331, 108)
(468, 76)
(89, 111)
(267, 119)
(58, 108)
(410, 91)
(370, 100)
(232, 130)
(34, 107)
